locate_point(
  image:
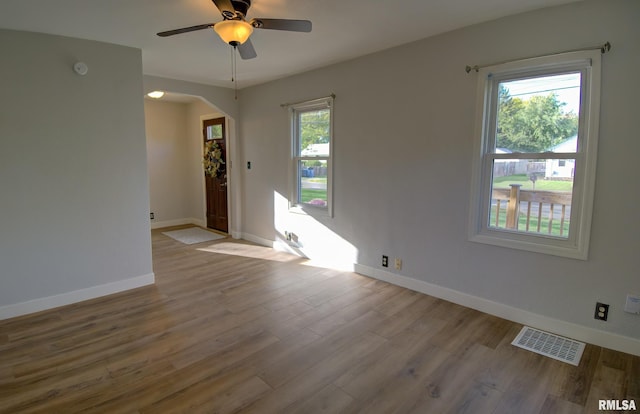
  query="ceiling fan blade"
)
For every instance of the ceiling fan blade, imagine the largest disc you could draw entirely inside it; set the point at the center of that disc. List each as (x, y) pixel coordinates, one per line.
(186, 29)
(282, 24)
(226, 8)
(246, 50)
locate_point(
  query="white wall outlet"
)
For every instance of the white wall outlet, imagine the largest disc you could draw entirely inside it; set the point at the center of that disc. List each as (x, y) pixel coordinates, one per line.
(632, 305)
(398, 264)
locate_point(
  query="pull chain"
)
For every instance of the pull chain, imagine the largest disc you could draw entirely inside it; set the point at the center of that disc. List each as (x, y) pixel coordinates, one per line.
(233, 74)
(234, 68)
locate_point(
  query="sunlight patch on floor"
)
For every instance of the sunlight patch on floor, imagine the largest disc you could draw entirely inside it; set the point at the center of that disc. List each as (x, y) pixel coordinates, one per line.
(248, 250)
(328, 264)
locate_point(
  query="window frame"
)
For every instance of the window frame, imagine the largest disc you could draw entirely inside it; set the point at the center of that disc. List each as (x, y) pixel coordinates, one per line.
(577, 244)
(294, 203)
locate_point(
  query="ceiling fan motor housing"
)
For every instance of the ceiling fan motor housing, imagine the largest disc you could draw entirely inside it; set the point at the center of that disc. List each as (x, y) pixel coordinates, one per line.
(241, 7)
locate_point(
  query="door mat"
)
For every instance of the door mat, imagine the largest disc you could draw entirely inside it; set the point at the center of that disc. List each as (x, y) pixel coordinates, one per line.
(193, 235)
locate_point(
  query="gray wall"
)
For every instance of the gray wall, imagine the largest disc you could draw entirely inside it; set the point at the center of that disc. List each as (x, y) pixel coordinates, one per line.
(222, 102)
(74, 214)
(166, 126)
(174, 151)
(221, 98)
(403, 141)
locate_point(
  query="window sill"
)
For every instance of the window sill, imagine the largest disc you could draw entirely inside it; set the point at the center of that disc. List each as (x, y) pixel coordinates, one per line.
(529, 243)
(308, 210)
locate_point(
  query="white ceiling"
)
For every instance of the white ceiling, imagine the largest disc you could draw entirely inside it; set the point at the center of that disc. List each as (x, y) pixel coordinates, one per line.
(342, 30)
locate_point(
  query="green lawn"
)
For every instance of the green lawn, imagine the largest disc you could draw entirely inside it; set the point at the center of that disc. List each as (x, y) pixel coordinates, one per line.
(315, 180)
(541, 184)
(308, 194)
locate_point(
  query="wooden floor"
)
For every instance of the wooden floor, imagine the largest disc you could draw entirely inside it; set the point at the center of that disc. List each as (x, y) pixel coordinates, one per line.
(231, 327)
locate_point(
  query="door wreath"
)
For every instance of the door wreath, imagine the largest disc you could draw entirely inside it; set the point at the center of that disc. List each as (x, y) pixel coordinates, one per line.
(213, 162)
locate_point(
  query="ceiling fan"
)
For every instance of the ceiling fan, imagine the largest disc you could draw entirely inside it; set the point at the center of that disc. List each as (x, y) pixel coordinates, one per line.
(235, 29)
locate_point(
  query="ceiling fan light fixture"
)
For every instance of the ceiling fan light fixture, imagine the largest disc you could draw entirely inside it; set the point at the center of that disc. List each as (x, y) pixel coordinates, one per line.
(233, 32)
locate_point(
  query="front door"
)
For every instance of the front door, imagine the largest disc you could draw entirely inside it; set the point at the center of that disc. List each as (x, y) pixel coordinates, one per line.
(216, 187)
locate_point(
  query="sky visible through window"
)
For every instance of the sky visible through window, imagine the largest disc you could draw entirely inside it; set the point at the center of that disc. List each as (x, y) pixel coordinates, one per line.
(565, 86)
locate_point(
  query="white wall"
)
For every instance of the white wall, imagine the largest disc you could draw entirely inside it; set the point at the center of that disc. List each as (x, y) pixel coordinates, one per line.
(74, 219)
(166, 126)
(403, 142)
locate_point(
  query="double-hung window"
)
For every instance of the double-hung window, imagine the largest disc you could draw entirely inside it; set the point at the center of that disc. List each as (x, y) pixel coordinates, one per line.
(535, 154)
(312, 132)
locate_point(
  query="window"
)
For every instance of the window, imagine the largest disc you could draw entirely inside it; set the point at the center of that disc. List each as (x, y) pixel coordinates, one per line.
(535, 154)
(312, 132)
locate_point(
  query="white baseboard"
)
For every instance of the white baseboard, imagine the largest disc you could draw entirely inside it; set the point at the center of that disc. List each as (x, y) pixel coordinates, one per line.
(177, 222)
(256, 239)
(279, 245)
(198, 222)
(49, 302)
(559, 327)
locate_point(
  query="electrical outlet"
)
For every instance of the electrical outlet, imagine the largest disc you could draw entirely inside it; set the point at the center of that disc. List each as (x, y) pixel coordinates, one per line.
(152, 215)
(398, 264)
(602, 311)
(385, 261)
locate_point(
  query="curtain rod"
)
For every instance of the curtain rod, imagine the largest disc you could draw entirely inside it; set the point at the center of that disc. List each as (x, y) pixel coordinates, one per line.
(286, 105)
(603, 49)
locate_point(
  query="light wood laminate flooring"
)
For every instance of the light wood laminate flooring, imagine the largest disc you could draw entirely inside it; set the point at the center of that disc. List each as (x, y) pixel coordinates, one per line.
(230, 327)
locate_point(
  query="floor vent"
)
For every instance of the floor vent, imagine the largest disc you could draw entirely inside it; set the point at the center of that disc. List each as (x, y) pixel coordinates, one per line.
(554, 346)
